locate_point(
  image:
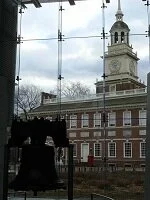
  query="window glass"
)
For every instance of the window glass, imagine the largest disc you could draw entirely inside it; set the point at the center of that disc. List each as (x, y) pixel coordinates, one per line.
(73, 121)
(112, 149)
(112, 119)
(142, 118)
(97, 119)
(127, 118)
(85, 120)
(97, 149)
(142, 149)
(127, 149)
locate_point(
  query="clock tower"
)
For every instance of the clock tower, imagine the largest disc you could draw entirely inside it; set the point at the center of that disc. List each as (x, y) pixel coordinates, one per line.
(120, 60)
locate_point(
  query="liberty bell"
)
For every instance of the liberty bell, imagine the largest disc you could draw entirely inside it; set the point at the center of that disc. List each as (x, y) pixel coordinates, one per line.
(37, 169)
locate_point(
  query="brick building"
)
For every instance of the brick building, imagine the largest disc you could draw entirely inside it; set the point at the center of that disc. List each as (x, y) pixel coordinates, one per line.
(121, 138)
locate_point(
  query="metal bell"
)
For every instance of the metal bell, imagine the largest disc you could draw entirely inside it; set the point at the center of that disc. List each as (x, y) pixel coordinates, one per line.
(37, 170)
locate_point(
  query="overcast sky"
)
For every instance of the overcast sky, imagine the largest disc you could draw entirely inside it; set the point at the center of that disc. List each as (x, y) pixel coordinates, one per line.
(80, 57)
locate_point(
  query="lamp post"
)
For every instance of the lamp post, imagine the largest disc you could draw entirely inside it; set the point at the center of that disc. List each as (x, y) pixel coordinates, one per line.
(104, 86)
(147, 3)
(147, 173)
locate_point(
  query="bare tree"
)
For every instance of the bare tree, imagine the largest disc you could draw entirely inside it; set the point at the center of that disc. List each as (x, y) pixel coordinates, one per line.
(28, 97)
(75, 89)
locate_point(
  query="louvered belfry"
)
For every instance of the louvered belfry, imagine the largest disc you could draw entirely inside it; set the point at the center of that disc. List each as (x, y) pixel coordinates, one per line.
(37, 170)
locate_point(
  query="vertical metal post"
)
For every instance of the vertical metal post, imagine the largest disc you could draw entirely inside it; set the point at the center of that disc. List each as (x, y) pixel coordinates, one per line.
(8, 43)
(70, 172)
(104, 88)
(147, 175)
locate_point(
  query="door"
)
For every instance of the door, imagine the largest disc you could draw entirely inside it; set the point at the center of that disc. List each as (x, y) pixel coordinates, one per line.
(84, 152)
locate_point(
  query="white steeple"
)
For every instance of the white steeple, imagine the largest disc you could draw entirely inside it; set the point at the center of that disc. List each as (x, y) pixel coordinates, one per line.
(119, 14)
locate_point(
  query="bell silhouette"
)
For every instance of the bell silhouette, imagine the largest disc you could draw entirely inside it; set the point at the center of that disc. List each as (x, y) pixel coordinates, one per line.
(37, 170)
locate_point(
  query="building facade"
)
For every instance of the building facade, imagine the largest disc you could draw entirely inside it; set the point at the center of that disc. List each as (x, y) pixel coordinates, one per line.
(111, 124)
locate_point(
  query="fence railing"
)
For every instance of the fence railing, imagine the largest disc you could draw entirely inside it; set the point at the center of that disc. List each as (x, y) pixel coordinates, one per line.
(96, 96)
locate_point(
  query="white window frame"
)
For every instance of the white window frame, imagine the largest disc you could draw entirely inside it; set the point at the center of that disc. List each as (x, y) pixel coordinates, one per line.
(85, 120)
(100, 149)
(97, 119)
(74, 149)
(73, 121)
(109, 150)
(112, 119)
(141, 150)
(142, 117)
(124, 146)
(127, 119)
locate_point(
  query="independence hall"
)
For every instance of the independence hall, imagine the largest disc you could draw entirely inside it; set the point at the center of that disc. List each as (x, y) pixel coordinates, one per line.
(122, 140)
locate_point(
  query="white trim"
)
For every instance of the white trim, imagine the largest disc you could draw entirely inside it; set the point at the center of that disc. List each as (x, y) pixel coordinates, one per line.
(109, 150)
(82, 120)
(99, 143)
(126, 124)
(122, 139)
(142, 120)
(124, 150)
(75, 144)
(99, 116)
(141, 149)
(109, 120)
(73, 117)
(82, 149)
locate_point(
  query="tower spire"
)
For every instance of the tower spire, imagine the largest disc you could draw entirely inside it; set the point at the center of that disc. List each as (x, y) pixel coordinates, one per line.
(119, 5)
(119, 14)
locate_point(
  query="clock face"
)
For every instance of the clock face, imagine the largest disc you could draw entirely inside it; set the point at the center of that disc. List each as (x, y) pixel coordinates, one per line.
(115, 66)
(132, 67)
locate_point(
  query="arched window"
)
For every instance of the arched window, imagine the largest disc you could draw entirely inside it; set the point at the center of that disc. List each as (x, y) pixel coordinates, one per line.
(122, 37)
(111, 38)
(116, 37)
(127, 38)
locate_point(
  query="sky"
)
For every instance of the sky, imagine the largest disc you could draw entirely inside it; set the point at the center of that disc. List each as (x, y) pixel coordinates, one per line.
(81, 57)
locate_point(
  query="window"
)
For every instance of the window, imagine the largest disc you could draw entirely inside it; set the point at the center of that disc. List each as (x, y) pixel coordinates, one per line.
(74, 150)
(112, 119)
(127, 118)
(111, 149)
(142, 149)
(142, 118)
(122, 37)
(85, 120)
(73, 121)
(116, 37)
(97, 149)
(127, 150)
(97, 119)
(111, 133)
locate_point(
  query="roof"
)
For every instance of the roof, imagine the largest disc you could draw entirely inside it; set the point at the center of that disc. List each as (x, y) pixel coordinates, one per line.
(119, 25)
(130, 100)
